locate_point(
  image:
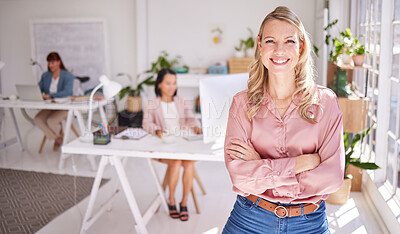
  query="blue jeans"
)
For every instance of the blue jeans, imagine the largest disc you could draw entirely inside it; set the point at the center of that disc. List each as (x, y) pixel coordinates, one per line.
(247, 217)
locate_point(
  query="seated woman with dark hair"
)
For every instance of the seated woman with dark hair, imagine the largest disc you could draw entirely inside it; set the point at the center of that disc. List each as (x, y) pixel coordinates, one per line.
(55, 83)
(168, 113)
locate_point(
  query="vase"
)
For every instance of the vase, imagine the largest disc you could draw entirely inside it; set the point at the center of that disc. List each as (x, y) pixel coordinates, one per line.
(341, 196)
(346, 59)
(239, 54)
(134, 103)
(250, 52)
(358, 59)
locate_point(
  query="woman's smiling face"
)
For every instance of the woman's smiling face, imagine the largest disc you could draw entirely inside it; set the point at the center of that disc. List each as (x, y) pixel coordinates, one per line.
(168, 85)
(279, 46)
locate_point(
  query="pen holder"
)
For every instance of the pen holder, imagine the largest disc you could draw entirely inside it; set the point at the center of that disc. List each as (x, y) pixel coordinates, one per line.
(100, 139)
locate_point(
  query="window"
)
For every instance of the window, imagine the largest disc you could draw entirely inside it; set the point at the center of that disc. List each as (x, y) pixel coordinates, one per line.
(369, 28)
(366, 80)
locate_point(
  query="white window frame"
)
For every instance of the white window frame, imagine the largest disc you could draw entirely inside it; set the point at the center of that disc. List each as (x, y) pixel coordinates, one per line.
(375, 187)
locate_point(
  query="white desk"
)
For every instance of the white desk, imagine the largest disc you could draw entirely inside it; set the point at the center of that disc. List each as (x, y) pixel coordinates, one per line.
(147, 147)
(73, 108)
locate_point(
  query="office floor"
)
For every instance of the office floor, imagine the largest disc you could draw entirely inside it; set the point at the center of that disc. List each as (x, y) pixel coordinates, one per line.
(353, 217)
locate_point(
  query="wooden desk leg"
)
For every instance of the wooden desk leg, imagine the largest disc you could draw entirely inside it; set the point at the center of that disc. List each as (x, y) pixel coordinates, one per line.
(88, 220)
(21, 146)
(141, 225)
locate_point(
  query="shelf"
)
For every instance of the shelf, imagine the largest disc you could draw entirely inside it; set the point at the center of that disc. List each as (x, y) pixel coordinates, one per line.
(351, 66)
(189, 80)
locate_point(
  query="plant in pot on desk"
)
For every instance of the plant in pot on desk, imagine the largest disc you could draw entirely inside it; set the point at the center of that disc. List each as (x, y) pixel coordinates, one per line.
(134, 102)
(353, 165)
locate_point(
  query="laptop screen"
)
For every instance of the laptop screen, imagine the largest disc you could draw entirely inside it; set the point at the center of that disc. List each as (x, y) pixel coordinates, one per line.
(29, 92)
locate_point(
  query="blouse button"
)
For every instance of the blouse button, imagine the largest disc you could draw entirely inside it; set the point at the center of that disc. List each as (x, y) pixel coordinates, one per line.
(282, 149)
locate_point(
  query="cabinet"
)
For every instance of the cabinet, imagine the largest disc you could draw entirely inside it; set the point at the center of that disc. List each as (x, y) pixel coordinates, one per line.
(355, 114)
(355, 106)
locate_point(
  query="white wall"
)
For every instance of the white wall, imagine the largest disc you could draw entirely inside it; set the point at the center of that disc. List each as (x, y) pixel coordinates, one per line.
(182, 27)
(15, 47)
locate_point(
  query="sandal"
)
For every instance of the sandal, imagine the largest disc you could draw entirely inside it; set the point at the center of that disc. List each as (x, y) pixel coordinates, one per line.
(184, 214)
(173, 212)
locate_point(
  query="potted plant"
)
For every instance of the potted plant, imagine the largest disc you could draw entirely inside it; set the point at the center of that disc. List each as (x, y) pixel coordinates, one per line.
(343, 46)
(246, 46)
(134, 101)
(359, 55)
(341, 196)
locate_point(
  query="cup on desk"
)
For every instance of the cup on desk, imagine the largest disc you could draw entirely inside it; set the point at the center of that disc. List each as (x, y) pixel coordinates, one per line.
(168, 138)
(13, 97)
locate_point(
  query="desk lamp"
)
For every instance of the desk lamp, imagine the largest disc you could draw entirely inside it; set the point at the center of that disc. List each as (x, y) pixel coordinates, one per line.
(110, 89)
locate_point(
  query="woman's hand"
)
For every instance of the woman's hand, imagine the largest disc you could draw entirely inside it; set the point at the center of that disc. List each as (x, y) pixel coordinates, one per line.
(160, 132)
(241, 150)
(197, 130)
(307, 162)
(46, 96)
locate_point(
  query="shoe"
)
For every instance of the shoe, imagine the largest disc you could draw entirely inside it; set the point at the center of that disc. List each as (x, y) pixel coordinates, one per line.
(184, 214)
(173, 212)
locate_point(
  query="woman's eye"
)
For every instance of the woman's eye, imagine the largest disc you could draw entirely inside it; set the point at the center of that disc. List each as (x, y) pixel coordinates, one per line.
(291, 41)
(269, 41)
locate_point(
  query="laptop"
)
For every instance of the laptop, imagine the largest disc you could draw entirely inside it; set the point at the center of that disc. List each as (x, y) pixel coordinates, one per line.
(29, 92)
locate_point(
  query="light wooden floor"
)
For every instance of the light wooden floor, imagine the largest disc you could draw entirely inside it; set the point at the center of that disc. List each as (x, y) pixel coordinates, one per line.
(354, 217)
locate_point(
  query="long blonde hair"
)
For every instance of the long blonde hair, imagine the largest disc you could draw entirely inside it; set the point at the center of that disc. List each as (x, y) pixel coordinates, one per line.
(304, 72)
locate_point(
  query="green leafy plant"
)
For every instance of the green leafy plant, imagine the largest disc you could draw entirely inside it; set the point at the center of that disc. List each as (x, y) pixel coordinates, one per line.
(360, 50)
(246, 43)
(134, 92)
(345, 44)
(350, 143)
(162, 62)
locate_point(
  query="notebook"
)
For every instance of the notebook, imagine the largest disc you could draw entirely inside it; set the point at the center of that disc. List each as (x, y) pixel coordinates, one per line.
(29, 92)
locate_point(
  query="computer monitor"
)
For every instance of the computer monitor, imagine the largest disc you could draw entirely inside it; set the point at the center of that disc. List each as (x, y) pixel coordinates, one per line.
(216, 94)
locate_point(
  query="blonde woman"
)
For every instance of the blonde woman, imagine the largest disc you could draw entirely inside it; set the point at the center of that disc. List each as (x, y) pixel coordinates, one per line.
(283, 147)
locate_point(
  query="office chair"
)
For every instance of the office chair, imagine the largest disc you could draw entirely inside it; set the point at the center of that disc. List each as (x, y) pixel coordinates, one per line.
(196, 177)
(62, 134)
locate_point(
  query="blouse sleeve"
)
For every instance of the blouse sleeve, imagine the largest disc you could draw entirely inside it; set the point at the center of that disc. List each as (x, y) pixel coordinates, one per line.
(328, 176)
(190, 119)
(148, 122)
(255, 176)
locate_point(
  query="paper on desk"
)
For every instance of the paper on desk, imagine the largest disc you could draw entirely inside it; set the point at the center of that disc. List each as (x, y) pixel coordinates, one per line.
(132, 133)
(62, 99)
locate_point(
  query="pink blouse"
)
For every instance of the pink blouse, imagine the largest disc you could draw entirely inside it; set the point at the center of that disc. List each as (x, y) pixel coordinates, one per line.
(278, 141)
(153, 117)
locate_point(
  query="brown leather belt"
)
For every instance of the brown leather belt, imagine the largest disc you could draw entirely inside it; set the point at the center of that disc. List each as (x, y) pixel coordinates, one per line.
(285, 211)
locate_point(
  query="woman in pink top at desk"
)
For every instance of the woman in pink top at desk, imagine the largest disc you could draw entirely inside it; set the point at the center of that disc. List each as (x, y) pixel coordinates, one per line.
(57, 82)
(168, 114)
(284, 144)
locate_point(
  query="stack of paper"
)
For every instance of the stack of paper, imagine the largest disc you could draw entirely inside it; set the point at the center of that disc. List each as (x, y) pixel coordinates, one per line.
(132, 133)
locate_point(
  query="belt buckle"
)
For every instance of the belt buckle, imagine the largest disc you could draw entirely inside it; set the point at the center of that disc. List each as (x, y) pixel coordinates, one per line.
(316, 207)
(281, 207)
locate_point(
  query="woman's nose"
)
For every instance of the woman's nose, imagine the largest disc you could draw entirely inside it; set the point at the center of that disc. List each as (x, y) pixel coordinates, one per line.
(279, 48)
